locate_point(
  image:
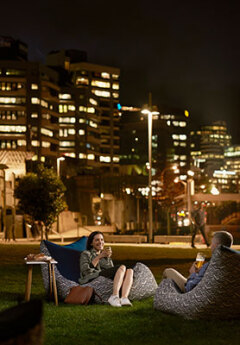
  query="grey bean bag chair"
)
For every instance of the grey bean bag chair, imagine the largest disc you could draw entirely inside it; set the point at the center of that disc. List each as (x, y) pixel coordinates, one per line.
(144, 283)
(216, 296)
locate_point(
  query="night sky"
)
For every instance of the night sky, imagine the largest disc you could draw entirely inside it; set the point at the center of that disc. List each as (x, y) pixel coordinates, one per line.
(186, 53)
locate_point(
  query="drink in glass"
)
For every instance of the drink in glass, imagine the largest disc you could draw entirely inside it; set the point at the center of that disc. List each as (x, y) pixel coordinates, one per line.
(200, 260)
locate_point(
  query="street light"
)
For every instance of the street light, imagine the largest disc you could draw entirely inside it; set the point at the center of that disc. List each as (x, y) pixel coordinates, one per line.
(58, 174)
(187, 191)
(150, 110)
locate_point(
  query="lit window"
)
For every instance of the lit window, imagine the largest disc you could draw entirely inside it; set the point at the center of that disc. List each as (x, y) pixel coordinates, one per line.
(81, 120)
(182, 124)
(116, 159)
(81, 132)
(93, 124)
(92, 101)
(182, 164)
(44, 103)
(71, 107)
(18, 129)
(101, 93)
(63, 108)
(115, 86)
(46, 132)
(82, 80)
(115, 94)
(91, 156)
(35, 143)
(70, 154)
(82, 155)
(67, 120)
(71, 131)
(42, 159)
(35, 100)
(34, 116)
(67, 143)
(105, 159)
(91, 110)
(103, 84)
(34, 86)
(21, 142)
(115, 76)
(46, 144)
(46, 116)
(82, 108)
(64, 96)
(105, 75)
(182, 137)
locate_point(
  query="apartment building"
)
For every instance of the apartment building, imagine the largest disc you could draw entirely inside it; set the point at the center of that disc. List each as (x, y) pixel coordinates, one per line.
(28, 107)
(97, 111)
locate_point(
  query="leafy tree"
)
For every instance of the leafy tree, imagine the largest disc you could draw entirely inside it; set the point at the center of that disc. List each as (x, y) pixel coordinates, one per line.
(41, 196)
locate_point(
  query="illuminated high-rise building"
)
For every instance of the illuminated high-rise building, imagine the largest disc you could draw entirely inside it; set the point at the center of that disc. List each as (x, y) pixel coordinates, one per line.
(96, 112)
(208, 144)
(169, 140)
(28, 106)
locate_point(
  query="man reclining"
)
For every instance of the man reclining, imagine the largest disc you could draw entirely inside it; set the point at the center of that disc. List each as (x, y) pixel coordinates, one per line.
(196, 275)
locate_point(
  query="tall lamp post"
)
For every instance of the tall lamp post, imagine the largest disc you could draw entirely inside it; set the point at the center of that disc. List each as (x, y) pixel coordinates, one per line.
(58, 174)
(150, 110)
(187, 191)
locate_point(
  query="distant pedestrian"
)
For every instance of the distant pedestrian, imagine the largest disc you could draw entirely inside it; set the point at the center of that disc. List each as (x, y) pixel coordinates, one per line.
(199, 221)
(10, 226)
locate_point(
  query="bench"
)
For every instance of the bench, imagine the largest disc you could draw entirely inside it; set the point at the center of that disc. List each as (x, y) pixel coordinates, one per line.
(103, 228)
(125, 238)
(175, 238)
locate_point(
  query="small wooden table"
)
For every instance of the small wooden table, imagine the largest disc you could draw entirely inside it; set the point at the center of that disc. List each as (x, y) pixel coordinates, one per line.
(52, 280)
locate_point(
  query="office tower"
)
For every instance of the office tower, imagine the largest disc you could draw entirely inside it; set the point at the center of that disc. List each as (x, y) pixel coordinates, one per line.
(169, 140)
(208, 144)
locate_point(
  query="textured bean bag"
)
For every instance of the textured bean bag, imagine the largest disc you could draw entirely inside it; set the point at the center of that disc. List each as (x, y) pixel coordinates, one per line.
(67, 274)
(216, 296)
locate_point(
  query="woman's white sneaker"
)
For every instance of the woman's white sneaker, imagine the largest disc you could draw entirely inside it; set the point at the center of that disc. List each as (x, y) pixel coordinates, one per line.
(125, 302)
(114, 301)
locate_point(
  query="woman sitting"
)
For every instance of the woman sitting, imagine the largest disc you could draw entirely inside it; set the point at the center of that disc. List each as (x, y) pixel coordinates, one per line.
(96, 261)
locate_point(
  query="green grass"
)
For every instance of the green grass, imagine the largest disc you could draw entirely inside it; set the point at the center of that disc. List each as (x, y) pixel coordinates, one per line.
(102, 324)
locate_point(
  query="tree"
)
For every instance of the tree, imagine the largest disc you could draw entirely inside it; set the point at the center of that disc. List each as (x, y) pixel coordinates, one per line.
(41, 197)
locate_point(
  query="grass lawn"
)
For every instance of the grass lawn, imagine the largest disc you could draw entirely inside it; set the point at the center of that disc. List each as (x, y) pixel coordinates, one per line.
(102, 324)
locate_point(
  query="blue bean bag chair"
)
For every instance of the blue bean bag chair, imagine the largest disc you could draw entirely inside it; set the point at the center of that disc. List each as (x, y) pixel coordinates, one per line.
(68, 257)
(67, 273)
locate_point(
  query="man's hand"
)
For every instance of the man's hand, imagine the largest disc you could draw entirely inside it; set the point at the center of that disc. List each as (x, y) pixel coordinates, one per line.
(193, 268)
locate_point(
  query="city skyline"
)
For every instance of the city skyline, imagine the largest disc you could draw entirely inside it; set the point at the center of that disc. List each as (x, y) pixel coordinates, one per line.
(185, 54)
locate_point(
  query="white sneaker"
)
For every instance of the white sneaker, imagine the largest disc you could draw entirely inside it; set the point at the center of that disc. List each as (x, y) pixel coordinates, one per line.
(125, 302)
(114, 301)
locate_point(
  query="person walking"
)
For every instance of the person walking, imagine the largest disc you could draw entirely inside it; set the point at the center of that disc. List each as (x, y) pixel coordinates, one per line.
(199, 221)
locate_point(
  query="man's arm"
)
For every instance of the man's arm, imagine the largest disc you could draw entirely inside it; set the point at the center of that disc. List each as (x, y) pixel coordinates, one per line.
(195, 277)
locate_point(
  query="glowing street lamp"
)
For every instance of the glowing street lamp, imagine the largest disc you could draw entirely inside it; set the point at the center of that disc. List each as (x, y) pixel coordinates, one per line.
(150, 110)
(58, 174)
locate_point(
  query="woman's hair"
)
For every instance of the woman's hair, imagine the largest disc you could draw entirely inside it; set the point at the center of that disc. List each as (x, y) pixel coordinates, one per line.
(91, 237)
